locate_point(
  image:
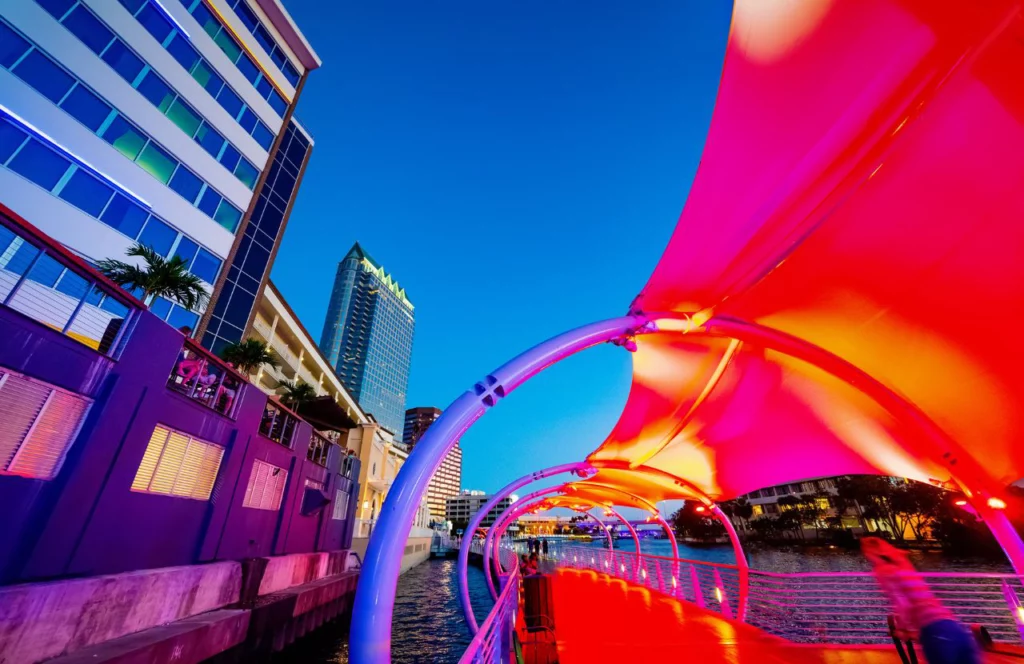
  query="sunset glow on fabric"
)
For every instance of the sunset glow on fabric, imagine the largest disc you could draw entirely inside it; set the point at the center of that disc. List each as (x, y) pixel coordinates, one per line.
(861, 192)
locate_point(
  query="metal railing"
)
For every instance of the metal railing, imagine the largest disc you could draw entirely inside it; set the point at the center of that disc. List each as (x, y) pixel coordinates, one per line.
(493, 643)
(278, 424)
(204, 378)
(43, 281)
(827, 607)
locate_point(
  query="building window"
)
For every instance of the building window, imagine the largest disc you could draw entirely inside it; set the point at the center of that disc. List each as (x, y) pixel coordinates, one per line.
(340, 505)
(176, 464)
(39, 424)
(314, 484)
(266, 486)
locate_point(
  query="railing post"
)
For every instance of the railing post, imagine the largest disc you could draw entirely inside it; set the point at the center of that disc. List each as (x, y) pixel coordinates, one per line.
(24, 275)
(698, 596)
(1015, 607)
(723, 601)
(197, 377)
(78, 308)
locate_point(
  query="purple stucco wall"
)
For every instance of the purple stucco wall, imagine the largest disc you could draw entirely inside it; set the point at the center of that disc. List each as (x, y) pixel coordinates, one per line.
(88, 521)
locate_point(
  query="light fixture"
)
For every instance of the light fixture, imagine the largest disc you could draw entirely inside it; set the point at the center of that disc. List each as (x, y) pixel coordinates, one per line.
(172, 19)
(997, 503)
(960, 503)
(700, 508)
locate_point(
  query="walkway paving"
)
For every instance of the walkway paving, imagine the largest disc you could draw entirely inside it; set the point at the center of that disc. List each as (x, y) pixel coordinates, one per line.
(604, 619)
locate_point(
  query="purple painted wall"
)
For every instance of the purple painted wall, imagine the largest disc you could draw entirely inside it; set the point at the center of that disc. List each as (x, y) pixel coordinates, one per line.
(88, 521)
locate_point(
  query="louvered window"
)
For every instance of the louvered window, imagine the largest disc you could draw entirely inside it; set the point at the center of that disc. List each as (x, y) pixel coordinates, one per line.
(266, 486)
(176, 464)
(340, 505)
(38, 423)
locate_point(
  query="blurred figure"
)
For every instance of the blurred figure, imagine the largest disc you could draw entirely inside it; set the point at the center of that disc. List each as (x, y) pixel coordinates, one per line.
(917, 610)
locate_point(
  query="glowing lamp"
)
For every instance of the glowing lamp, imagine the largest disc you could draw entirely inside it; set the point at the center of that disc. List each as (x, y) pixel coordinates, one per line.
(1020, 614)
(622, 568)
(673, 582)
(700, 508)
(718, 594)
(997, 503)
(643, 573)
(960, 503)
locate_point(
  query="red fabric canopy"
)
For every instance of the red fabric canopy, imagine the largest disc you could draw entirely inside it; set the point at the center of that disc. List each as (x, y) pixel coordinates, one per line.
(862, 189)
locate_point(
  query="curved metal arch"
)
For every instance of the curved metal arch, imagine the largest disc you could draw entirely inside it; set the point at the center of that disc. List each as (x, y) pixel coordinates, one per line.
(462, 565)
(502, 522)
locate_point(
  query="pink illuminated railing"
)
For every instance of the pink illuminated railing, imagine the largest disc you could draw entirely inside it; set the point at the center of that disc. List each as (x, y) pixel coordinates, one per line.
(829, 607)
(493, 643)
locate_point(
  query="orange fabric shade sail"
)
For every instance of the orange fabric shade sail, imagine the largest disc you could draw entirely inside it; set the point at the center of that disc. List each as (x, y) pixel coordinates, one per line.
(862, 190)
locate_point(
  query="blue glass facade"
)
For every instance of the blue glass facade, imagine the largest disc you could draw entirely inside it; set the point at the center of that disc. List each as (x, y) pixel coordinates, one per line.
(237, 299)
(367, 337)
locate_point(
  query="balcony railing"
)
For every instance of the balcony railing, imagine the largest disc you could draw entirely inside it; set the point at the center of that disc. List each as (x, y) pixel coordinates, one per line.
(207, 379)
(319, 449)
(278, 424)
(42, 280)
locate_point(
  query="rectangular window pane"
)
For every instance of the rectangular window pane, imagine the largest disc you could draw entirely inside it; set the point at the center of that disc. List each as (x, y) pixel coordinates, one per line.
(205, 77)
(278, 57)
(228, 216)
(263, 136)
(277, 103)
(248, 120)
(186, 184)
(209, 202)
(125, 63)
(183, 51)
(206, 266)
(291, 73)
(247, 173)
(249, 70)
(86, 107)
(125, 138)
(42, 74)
(155, 161)
(125, 216)
(182, 115)
(158, 236)
(230, 102)
(156, 91)
(160, 308)
(12, 46)
(132, 6)
(86, 192)
(210, 140)
(228, 45)
(154, 22)
(230, 157)
(264, 88)
(186, 250)
(40, 164)
(89, 29)
(57, 8)
(181, 317)
(249, 19)
(11, 138)
(206, 20)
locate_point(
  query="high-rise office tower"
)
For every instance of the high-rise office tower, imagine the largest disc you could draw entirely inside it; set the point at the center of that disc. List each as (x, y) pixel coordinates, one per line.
(367, 337)
(163, 122)
(447, 481)
(417, 420)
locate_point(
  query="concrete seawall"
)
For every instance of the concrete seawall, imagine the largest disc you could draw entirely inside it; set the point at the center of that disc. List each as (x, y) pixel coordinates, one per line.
(230, 611)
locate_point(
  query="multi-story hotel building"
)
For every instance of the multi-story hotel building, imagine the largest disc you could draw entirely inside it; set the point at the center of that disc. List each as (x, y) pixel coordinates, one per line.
(462, 507)
(163, 122)
(447, 481)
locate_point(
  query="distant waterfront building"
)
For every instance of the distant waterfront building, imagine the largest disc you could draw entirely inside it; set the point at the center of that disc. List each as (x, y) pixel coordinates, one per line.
(367, 337)
(463, 506)
(447, 481)
(169, 124)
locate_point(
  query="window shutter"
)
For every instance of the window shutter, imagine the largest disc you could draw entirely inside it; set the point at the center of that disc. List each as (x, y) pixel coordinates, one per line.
(340, 504)
(39, 424)
(177, 464)
(266, 486)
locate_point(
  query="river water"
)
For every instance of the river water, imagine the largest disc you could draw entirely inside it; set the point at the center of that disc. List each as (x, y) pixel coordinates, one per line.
(428, 623)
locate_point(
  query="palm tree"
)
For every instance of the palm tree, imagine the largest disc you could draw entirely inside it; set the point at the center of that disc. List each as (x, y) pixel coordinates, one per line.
(157, 277)
(249, 355)
(296, 394)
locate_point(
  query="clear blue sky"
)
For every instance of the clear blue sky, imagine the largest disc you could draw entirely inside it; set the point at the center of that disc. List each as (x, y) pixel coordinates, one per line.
(518, 166)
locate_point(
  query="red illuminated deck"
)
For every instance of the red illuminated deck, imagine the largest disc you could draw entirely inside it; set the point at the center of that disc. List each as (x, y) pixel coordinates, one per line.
(600, 618)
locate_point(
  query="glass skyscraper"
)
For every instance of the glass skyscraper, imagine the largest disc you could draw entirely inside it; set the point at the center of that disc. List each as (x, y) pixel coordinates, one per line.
(367, 337)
